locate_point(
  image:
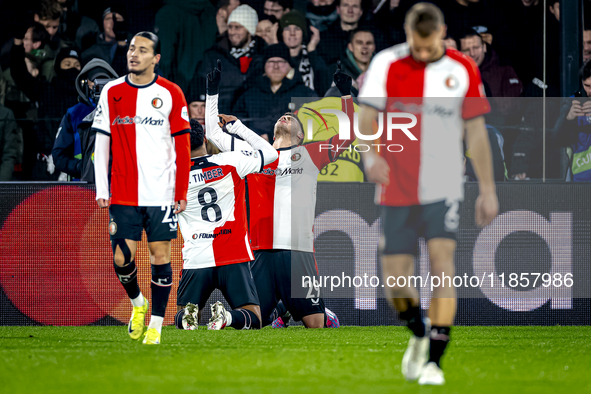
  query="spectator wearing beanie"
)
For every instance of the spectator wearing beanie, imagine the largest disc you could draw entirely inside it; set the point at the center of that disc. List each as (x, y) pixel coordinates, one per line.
(236, 49)
(293, 32)
(272, 92)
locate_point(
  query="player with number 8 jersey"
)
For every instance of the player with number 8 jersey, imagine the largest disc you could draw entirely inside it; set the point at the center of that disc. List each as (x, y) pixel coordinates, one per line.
(216, 250)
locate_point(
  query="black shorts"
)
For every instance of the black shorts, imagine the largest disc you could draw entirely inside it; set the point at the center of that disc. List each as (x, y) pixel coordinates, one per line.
(127, 222)
(403, 226)
(233, 280)
(272, 271)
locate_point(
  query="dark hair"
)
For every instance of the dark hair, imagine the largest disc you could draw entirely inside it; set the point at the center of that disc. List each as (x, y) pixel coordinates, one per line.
(467, 33)
(424, 18)
(49, 10)
(586, 70)
(39, 32)
(270, 18)
(361, 30)
(360, 4)
(197, 134)
(152, 37)
(283, 3)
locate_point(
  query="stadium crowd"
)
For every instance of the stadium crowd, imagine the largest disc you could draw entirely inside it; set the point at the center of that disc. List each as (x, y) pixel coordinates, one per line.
(271, 52)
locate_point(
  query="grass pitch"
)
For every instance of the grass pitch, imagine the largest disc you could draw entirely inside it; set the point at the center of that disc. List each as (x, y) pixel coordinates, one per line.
(365, 360)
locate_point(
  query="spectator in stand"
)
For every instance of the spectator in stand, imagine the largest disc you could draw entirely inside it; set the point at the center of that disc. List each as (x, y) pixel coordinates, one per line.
(334, 40)
(49, 15)
(225, 8)
(271, 95)
(236, 50)
(186, 29)
(11, 144)
(358, 54)
(388, 18)
(67, 147)
(111, 44)
(294, 32)
(267, 29)
(322, 13)
(52, 98)
(500, 78)
(574, 128)
(278, 8)
(587, 42)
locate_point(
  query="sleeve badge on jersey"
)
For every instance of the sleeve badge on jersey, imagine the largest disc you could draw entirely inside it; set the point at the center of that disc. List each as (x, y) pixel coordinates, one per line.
(184, 113)
(99, 110)
(246, 152)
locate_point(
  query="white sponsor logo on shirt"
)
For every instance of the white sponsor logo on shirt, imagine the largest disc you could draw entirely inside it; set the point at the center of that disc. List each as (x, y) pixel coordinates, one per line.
(185, 113)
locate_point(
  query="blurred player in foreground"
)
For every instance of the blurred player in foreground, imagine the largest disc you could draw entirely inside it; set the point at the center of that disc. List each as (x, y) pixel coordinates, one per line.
(216, 251)
(282, 199)
(420, 187)
(143, 120)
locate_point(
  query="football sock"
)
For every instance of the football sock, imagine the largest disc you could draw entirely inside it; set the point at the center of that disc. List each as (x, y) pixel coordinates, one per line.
(178, 319)
(243, 319)
(414, 321)
(280, 310)
(437, 343)
(138, 301)
(128, 277)
(161, 286)
(156, 322)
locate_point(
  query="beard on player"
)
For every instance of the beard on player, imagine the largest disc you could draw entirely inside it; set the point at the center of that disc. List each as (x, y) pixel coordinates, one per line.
(289, 126)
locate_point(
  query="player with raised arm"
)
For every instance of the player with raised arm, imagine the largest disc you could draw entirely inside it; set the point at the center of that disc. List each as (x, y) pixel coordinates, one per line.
(421, 186)
(216, 252)
(282, 199)
(142, 119)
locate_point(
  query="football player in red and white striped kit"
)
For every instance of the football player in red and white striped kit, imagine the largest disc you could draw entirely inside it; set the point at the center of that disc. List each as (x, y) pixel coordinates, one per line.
(216, 250)
(282, 200)
(420, 186)
(143, 120)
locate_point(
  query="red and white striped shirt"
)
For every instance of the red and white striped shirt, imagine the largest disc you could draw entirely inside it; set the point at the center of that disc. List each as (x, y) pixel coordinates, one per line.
(441, 95)
(149, 127)
(214, 225)
(282, 197)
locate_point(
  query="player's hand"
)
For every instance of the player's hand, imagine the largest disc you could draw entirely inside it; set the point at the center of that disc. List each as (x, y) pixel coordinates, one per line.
(377, 169)
(214, 78)
(487, 207)
(342, 81)
(180, 206)
(575, 110)
(102, 203)
(225, 119)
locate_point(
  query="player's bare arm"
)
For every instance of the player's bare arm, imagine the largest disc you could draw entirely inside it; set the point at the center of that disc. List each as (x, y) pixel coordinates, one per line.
(487, 205)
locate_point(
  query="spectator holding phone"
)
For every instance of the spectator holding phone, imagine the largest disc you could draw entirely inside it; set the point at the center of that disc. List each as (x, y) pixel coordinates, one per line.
(574, 128)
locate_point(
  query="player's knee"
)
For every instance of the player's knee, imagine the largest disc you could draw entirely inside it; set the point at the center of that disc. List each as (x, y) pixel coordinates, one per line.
(122, 255)
(314, 321)
(441, 266)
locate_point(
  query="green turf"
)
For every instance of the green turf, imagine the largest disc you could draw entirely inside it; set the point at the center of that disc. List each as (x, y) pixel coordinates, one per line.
(362, 360)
